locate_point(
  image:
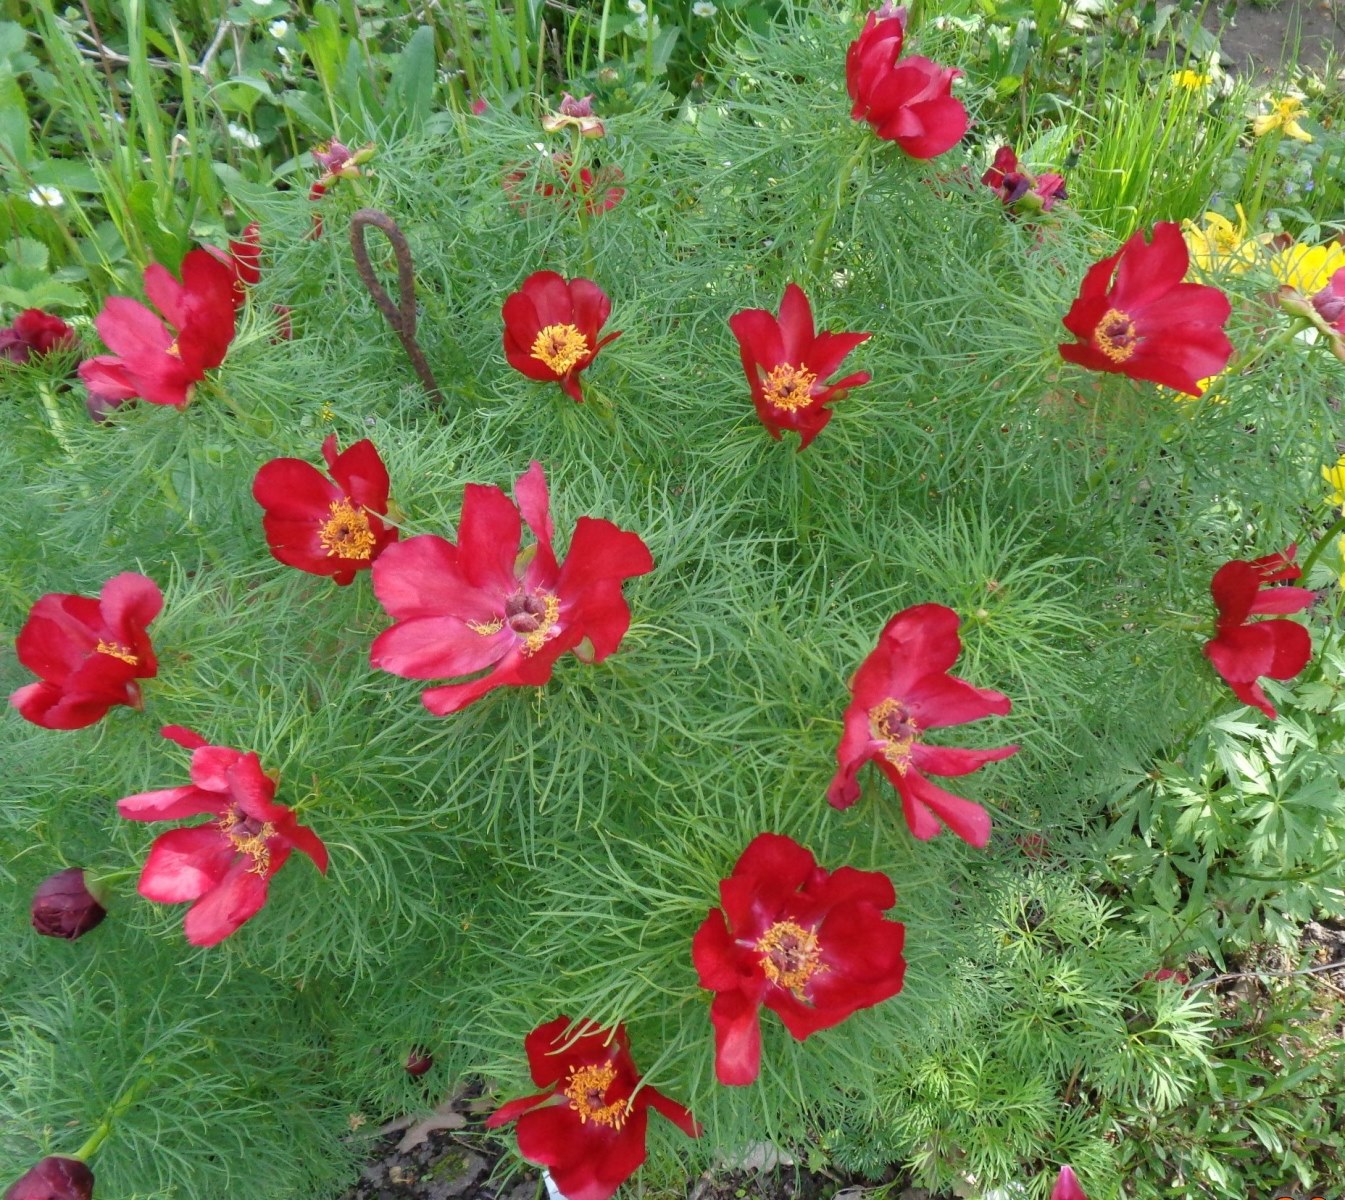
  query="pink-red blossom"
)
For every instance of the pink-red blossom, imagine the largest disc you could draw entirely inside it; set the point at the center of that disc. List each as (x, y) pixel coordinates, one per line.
(1019, 188)
(160, 362)
(484, 605)
(55, 1177)
(1243, 651)
(900, 692)
(811, 945)
(326, 524)
(224, 867)
(1136, 316)
(552, 327)
(87, 653)
(1067, 1186)
(906, 100)
(588, 1125)
(787, 364)
(35, 334)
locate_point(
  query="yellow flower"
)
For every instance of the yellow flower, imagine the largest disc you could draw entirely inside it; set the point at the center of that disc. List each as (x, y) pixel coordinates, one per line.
(1283, 115)
(1221, 245)
(1308, 269)
(1205, 385)
(1191, 80)
(1335, 476)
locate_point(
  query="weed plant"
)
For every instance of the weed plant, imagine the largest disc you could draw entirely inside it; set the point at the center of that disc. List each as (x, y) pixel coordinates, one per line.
(553, 851)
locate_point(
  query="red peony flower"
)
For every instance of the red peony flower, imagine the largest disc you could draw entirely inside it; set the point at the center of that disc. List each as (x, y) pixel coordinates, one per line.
(152, 361)
(599, 190)
(1019, 188)
(588, 1128)
(326, 526)
(56, 1177)
(35, 334)
(787, 363)
(810, 944)
(224, 866)
(551, 328)
(902, 689)
(63, 906)
(1067, 1186)
(907, 100)
(1134, 316)
(88, 653)
(244, 260)
(482, 604)
(1242, 652)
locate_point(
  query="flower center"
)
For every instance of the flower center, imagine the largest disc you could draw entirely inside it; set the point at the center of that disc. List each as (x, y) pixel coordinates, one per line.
(892, 724)
(532, 616)
(1115, 335)
(250, 837)
(560, 348)
(587, 1093)
(789, 388)
(346, 533)
(173, 350)
(790, 956)
(117, 650)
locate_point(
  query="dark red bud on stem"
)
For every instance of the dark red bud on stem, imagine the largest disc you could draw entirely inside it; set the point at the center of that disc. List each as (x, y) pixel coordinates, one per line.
(54, 1178)
(64, 907)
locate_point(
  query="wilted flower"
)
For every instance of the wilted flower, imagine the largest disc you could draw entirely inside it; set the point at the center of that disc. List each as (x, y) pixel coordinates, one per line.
(1325, 310)
(63, 906)
(244, 136)
(326, 524)
(54, 1178)
(906, 100)
(574, 114)
(161, 363)
(1243, 652)
(225, 866)
(483, 605)
(551, 328)
(1067, 1186)
(87, 653)
(588, 1128)
(787, 364)
(1134, 316)
(1019, 188)
(1221, 245)
(338, 161)
(35, 334)
(901, 690)
(46, 197)
(811, 945)
(1283, 116)
(598, 189)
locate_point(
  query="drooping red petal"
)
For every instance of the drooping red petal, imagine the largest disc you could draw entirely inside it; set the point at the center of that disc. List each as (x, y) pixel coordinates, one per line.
(184, 864)
(737, 1028)
(219, 914)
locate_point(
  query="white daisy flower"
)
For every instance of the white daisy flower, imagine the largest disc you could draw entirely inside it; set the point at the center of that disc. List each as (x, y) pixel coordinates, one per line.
(244, 137)
(637, 7)
(703, 8)
(279, 28)
(46, 197)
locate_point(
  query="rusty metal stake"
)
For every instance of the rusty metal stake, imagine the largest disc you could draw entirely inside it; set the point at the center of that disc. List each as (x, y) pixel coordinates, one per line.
(401, 316)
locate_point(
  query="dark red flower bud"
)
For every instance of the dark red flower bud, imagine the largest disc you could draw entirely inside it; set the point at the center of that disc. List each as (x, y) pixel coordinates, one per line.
(418, 1061)
(54, 1178)
(64, 907)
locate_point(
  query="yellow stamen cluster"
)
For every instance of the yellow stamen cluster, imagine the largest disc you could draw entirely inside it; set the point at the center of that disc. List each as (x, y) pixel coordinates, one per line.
(346, 533)
(790, 956)
(486, 628)
(890, 724)
(1115, 335)
(560, 348)
(116, 650)
(788, 387)
(587, 1093)
(254, 845)
(535, 640)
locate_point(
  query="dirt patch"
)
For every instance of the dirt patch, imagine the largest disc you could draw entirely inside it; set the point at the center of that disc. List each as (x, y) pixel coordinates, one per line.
(1263, 42)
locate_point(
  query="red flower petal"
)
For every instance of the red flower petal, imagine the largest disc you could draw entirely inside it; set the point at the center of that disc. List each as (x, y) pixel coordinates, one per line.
(220, 913)
(184, 864)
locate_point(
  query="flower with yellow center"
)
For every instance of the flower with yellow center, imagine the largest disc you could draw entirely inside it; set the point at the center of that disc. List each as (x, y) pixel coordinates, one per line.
(1189, 80)
(1283, 116)
(346, 532)
(790, 956)
(560, 348)
(1308, 269)
(1221, 245)
(1115, 335)
(116, 650)
(587, 1094)
(788, 388)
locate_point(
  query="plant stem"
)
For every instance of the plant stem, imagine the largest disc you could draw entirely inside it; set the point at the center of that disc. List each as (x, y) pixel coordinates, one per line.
(119, 1106)
(818, 252)
(1336, 528)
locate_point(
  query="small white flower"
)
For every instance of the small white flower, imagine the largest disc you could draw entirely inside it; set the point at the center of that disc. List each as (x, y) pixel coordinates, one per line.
(279, 28)
(637, 7)
(46, 197)
(285, 56)
(244, 137)
(703, 8)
